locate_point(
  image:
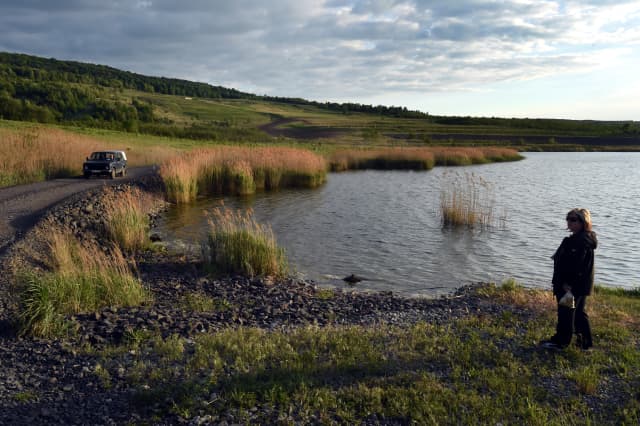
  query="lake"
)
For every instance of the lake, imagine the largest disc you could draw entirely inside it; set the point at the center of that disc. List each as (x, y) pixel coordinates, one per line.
(386, 227)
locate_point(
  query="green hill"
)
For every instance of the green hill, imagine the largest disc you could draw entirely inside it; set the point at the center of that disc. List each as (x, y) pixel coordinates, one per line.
(79, 94)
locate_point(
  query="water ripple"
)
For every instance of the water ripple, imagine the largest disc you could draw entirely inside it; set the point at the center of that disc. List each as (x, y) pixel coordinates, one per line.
(385, 225)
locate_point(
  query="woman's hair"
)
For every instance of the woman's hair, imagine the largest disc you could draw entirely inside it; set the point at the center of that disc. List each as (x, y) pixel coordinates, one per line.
(584, 215)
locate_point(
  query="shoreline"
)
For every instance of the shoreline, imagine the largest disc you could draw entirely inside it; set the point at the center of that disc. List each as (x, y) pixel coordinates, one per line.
(99, 373)
(62, 375)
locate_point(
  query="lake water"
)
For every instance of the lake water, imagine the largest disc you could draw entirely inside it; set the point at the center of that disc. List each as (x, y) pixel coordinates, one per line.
(386, 226)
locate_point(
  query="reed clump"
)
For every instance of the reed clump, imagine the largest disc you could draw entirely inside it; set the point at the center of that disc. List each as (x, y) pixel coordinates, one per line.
(127, 221)
(466, 156)
(466, 200)
(382, 159)
(81, 277)
(417, 158)
(238, 244)
(240, 171)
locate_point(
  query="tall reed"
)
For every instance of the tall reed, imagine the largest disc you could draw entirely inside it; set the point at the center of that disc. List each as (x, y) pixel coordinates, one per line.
(33, 155)
(127, 221)
(41, 153)
(81, 278)
(240, 170)
(237, 244)
(383, 159)
(417, 158)
(466, 200)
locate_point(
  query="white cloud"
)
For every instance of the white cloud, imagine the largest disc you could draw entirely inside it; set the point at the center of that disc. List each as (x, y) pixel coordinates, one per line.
(332, 49)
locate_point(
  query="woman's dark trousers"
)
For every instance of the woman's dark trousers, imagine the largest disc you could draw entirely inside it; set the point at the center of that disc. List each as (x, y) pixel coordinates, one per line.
(573, 319)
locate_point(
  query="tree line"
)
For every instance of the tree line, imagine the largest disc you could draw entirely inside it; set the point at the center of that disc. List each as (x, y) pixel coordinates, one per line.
(33, 88)
(48, 90)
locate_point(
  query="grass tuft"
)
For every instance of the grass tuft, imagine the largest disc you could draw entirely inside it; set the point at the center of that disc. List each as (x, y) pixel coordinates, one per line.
(82, 278)
(127, 221)
(236, 243)
(382, 159)
(466, 200)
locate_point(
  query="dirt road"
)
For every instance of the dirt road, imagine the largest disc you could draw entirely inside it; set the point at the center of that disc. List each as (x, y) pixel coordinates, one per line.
(21, 206)
(278, 127)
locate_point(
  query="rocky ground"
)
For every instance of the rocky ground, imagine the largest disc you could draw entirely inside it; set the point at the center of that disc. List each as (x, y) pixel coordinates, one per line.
(55, 381)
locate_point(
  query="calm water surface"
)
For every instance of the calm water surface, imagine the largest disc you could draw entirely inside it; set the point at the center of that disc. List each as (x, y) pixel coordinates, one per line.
(386, 226)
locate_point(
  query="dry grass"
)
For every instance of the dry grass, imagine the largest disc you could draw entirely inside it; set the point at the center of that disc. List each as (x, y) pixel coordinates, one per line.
(240, 170)
(33, 155)
(466, 200)
(40, 153)
(417, 158)
(385, 159)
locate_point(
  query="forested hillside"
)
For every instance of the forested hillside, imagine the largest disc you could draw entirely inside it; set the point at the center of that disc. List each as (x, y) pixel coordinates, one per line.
(74, 93)
(49, 90)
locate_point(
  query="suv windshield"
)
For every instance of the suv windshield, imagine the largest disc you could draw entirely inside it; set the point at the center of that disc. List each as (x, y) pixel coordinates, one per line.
(101, 156)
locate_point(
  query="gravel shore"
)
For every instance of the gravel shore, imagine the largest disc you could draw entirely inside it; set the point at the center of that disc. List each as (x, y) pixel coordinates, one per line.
(55, 381)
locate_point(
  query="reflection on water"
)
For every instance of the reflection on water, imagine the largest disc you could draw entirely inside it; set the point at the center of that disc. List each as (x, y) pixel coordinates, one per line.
(385, 226)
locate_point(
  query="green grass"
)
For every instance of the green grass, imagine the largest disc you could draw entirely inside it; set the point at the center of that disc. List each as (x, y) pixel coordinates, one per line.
(80, 278)
(482, 369)
(237, 244)
(200, 302)
(127, 221)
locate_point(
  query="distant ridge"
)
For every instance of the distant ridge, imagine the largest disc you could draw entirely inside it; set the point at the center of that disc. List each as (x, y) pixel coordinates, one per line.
(50, 69)
(49, 90)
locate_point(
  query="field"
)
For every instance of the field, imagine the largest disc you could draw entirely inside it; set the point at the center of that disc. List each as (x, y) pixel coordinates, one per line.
(185, 122)
(182, 123)
(36, 152)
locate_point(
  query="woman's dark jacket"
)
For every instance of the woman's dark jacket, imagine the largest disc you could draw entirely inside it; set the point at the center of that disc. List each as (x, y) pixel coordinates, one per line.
(573, 264)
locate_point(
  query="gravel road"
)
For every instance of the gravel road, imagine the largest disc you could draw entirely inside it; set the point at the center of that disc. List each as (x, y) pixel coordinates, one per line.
(21, 206)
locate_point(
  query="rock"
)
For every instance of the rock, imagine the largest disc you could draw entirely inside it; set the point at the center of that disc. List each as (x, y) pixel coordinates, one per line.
(352, 279)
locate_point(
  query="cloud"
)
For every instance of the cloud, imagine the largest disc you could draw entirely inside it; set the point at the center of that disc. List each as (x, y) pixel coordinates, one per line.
(333, 49)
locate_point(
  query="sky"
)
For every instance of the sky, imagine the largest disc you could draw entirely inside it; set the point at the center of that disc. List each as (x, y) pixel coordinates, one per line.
(509, 58)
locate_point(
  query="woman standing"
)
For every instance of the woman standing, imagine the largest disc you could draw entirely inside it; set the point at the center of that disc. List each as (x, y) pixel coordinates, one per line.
(573, 271)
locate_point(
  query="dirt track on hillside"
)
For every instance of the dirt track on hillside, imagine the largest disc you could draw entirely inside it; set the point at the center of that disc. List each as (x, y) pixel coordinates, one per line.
(21, 206)
(276, 129)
